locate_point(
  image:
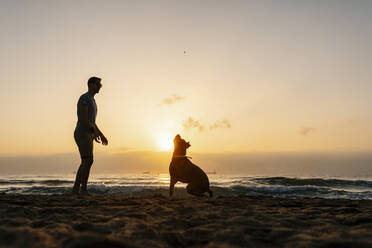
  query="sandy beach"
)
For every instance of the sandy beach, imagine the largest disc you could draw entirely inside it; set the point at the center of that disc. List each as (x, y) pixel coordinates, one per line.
(153, 220)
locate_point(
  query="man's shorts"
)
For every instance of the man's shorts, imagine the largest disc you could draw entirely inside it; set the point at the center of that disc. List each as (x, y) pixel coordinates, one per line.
(85, 143)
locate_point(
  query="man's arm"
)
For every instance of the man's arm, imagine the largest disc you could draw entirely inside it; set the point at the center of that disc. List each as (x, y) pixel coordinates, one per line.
(101, 136)
(98, 135)
(85, 119)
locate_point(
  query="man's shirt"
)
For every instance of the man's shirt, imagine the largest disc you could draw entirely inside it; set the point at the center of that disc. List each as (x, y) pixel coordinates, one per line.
(86, 100)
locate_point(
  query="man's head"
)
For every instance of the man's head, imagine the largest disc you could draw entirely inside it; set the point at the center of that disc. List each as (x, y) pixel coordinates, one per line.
(94, 84)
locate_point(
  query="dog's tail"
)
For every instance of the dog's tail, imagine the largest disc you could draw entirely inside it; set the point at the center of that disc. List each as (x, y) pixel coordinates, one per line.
(210, 193)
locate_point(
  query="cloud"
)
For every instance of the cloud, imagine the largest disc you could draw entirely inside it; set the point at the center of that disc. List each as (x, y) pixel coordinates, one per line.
(305, 131)
(171, 100)
(225, 123)
(191, 123)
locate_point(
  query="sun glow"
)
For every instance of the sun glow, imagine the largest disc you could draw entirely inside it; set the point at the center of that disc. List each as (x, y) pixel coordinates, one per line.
(165, 143)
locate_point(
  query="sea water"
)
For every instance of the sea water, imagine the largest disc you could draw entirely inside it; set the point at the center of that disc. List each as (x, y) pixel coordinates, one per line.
(229, 185)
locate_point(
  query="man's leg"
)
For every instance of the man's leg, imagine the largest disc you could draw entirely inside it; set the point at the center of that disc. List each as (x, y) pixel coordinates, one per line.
(81, 175)
(75, 189)
(87, 163)
(85, 145)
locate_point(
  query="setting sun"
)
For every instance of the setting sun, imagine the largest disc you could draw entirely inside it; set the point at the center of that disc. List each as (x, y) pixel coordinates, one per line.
(165, 143)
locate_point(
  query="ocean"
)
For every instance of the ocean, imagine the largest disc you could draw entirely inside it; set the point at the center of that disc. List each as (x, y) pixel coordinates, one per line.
(230, 185)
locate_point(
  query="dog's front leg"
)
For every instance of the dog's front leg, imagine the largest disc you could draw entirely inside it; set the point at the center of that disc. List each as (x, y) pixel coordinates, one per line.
(171, 186)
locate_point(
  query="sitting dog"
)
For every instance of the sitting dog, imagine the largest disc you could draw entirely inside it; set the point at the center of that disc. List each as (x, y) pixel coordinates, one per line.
(181, 169)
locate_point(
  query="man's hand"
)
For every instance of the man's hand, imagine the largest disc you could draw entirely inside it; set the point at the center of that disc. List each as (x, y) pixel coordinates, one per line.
(96, 134)
(97, 139)
(103, 139)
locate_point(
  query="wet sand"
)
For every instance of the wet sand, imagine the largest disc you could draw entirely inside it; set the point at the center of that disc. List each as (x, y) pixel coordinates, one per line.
(153, 220)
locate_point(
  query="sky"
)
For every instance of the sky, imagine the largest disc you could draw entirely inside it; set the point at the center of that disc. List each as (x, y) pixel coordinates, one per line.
(229, 76)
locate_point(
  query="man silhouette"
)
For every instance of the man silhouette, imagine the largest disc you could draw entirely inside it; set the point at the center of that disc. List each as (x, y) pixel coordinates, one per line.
(85, 132)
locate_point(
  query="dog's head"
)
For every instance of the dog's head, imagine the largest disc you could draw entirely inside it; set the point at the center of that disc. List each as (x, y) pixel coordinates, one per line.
(180, 146)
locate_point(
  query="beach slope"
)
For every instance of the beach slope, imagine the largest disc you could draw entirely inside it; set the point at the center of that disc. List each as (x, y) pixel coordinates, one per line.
(155, 221)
